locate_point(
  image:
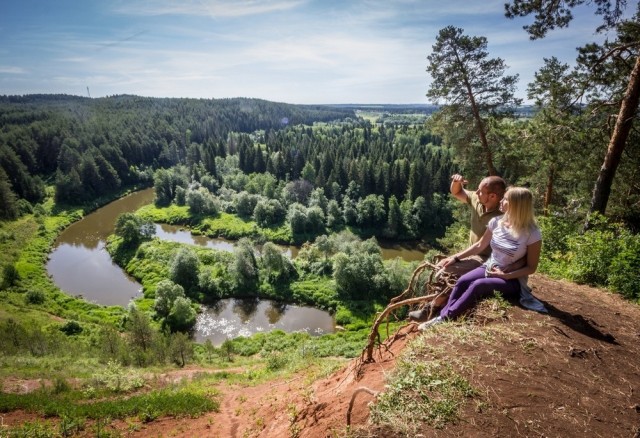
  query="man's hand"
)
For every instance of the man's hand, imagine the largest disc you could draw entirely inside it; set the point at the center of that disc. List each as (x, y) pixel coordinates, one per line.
(456, 188)
(457, 178)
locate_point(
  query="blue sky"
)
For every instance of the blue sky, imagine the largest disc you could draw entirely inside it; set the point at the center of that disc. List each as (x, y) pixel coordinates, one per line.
(295, 51)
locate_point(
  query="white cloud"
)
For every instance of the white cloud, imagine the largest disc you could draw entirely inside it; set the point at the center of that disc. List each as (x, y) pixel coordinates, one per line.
(12, 70)
(304, 51)
(212, 8)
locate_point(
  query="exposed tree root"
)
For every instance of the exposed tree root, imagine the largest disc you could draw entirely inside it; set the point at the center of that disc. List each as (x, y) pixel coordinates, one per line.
(434, 291)
(353, 399)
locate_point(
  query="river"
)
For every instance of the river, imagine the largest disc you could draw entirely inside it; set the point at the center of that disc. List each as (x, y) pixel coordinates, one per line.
(80, 265)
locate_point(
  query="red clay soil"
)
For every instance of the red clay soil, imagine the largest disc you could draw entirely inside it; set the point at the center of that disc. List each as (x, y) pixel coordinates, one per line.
(572, 373)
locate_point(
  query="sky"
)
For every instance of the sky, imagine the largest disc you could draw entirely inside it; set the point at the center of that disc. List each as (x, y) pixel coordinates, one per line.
(293, 51)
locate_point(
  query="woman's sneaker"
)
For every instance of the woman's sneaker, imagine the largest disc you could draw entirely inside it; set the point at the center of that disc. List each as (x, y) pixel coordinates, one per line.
(420, 315)
(426, 325)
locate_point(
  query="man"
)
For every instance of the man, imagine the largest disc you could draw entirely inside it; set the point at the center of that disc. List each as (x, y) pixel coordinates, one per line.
(484, 204)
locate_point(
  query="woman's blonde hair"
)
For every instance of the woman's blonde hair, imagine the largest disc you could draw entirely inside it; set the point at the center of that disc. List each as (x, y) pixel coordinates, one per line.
(520, 212)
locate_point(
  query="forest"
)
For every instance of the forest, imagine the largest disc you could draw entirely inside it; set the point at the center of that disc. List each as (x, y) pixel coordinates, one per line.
(334, 180)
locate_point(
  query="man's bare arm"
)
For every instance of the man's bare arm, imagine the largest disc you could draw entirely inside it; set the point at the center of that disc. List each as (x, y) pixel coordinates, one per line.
(457, 187)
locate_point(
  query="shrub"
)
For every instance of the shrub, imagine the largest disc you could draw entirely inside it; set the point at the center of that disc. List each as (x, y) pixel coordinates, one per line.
(185, 268)
(10, 275)
(360, 275)
(591, 254)
(624, 272)
(118, 379)
(182, 316)
(71, 328)
(276, 360)
(34, 297)
(606, 255)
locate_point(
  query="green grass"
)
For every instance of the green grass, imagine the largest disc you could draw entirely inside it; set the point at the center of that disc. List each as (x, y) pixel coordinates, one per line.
(172, 214)
(188, 400)
(318, 291)
(26, 243)
(227, 225)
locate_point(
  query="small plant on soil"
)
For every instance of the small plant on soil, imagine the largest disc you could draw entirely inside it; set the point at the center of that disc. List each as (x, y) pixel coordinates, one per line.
(420, 392)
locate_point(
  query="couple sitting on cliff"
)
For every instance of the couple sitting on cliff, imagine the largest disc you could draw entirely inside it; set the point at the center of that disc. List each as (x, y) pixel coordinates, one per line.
(504, 250)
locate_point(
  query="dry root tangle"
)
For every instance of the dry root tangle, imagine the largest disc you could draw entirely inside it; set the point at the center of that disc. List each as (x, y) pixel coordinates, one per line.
(435, 291)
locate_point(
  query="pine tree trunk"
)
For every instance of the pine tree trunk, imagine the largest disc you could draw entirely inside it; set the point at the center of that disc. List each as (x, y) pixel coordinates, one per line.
(602, 188)
(548, 192)
(481, 131)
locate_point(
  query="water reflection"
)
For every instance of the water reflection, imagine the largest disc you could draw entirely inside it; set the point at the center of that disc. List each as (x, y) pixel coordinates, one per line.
(242, 317)
(245, 309)
(79, 263)
(173, 233)
(407, 251)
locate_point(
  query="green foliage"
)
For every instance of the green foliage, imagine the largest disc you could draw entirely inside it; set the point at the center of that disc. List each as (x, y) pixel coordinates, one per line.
(182, 316)
(215, 282)
(606, 255)
(166, 294)
(276, 361)
(316, 291)
(116, 378)
(10, 276)
(34, 297)
(361, 275)
(35, 429)
(71, 328)
(133, 229)
(185, 268)
(175, 402)
(228, 226)
(591, 254)
(464, 76)
(173, 214)
(268, 212)
(111, 345)
(245, 203)
(202, 202)
(228, 348)
(624, 271)
(277, 267)
(172, 305)
(245, 269)
(140, 333)
(181, 348)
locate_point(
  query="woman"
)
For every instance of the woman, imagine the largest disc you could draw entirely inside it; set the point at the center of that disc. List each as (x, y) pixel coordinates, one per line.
(512, 236)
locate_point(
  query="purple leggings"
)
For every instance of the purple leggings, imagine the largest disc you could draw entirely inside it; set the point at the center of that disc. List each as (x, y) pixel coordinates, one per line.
(472, 287)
